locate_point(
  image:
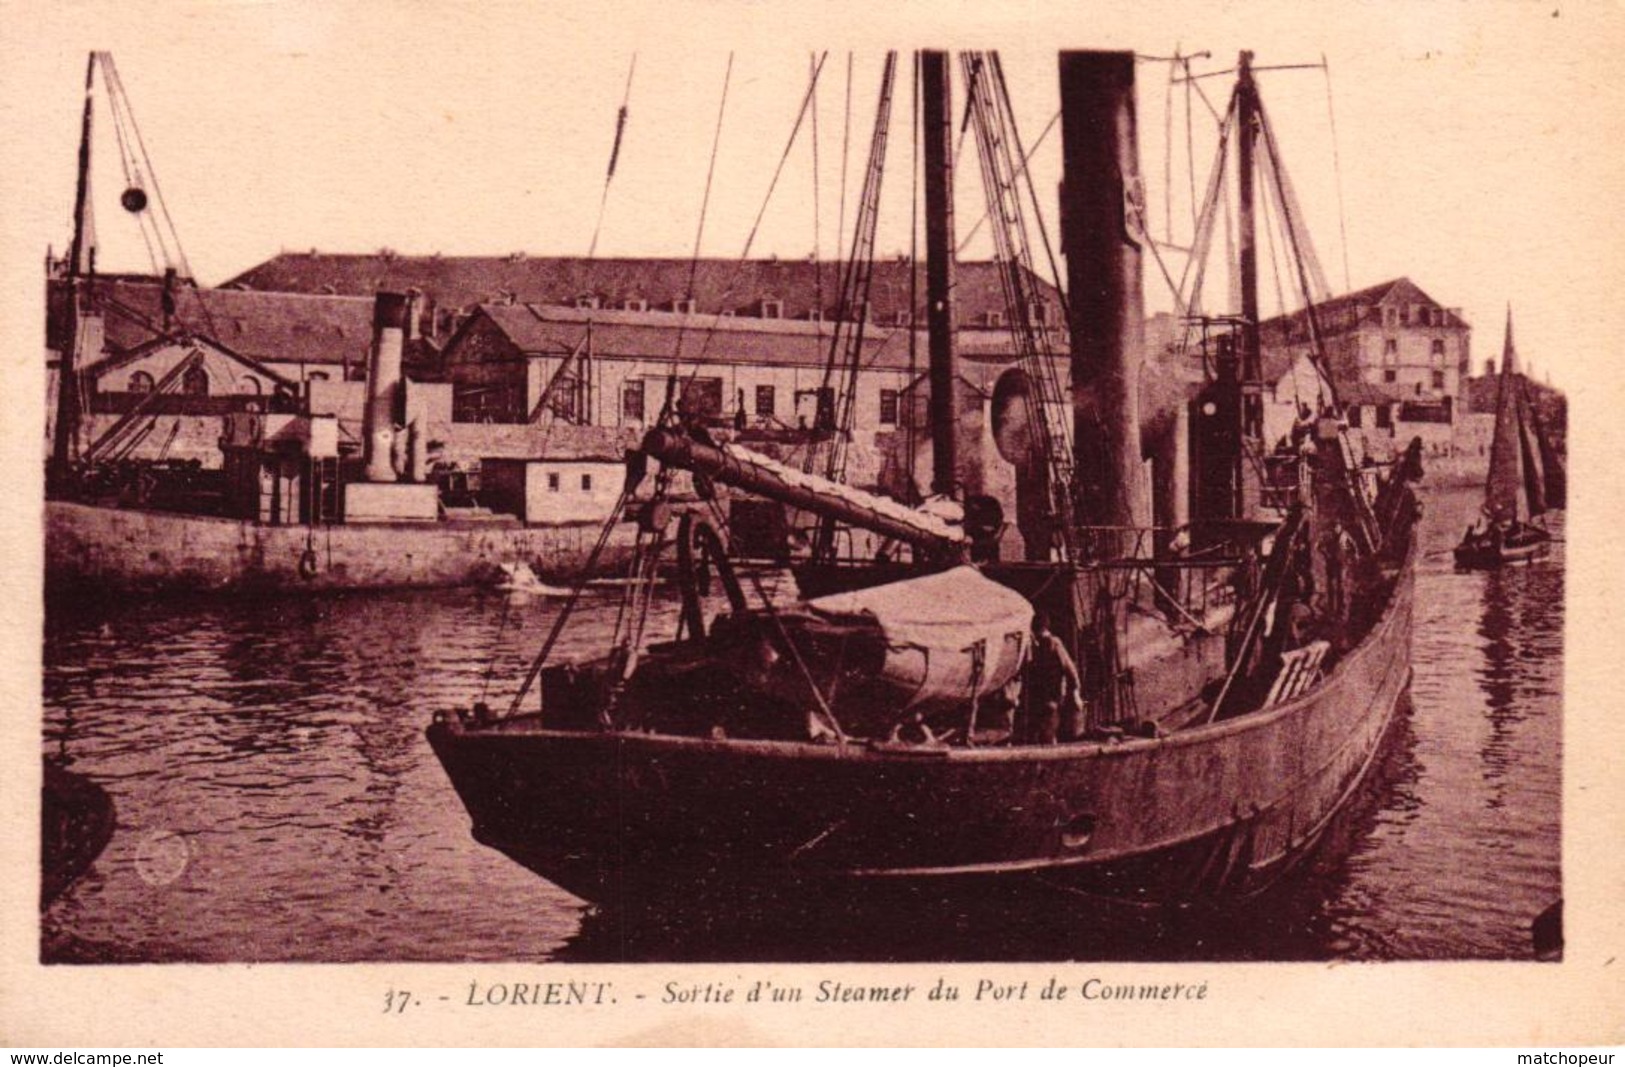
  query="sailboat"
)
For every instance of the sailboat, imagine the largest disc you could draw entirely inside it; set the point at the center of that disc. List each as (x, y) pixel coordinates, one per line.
(1217, 705)
(1525, 480)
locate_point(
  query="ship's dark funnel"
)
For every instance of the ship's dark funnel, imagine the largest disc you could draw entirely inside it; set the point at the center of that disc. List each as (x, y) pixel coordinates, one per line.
(1102, 204)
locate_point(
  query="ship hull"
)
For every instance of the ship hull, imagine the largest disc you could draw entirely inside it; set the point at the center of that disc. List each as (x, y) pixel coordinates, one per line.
(96, 548)
(1207, 813)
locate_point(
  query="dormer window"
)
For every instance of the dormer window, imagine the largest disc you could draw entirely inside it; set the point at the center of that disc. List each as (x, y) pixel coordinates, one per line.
(815, 315)
(686, 306)
(902, 318)
(1040, 313)
(635, 304)
(993, 319)
(772, 309)
(587, 302)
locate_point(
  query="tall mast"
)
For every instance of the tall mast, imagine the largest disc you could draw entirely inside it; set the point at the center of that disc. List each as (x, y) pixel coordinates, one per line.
(1504, 484)
(937, 118)
(1102, 228)
(1252, 383)
(82, 237)
(81, 260)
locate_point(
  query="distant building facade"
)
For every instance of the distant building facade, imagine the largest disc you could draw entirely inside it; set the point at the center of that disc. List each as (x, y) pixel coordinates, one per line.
(1397, 358)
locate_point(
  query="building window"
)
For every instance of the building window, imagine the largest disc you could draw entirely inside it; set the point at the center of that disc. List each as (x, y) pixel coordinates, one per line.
(702, 396)
(685, 306)
(586, 483)
(1390, 376)
(632, 401)
(140, 382)
(764, 401)
(553, 482)
(195, 382)
(888, 407)
(903, 318)
(772, 309)
(1437, 351)
(1385, 418)
(1354, 416)
(1041, 313)
(1390, 316)
(587, 301)
(1438, 380)
(635, 304)
(1390, 350)
(993, 319)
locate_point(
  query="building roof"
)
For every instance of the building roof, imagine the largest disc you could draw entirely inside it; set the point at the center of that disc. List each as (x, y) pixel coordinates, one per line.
(1342, 314)
(800, 285)
(539, 329)
(269, 327)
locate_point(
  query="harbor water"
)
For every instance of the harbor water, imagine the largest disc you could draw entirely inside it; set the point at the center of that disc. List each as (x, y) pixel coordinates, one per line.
(276, 800)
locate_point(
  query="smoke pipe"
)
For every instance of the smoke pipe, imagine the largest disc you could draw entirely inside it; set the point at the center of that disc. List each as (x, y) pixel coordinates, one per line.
(382, 412)
(1102, 214)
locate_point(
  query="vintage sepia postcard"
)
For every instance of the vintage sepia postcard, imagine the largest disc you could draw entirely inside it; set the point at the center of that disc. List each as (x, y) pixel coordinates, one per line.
(791, 524)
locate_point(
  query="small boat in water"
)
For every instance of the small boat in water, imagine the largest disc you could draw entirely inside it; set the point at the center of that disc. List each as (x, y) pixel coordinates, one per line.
(1525, 480)
(1163, 727)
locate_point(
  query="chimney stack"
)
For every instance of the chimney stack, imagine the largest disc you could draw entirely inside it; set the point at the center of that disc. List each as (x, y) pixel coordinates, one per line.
(384, 394)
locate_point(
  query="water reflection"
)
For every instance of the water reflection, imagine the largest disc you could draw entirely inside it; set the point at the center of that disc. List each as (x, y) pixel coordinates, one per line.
(277, 801)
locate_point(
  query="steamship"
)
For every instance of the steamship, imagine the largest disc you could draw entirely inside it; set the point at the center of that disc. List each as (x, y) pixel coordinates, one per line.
(1238, 663)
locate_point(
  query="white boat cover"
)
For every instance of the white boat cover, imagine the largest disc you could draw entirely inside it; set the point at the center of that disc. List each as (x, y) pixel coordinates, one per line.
(950, 611)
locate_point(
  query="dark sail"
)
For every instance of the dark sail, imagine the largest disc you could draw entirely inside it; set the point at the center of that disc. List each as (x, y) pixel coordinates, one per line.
(1551, 464)
(1534, 474)
(1504, 488)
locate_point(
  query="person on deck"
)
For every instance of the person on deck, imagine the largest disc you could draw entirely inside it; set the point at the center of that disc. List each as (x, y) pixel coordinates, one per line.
(1052, 681)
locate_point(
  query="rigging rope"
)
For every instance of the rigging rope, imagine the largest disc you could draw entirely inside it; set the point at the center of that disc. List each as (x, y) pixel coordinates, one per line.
(1337, 169)
(846, 148)
(1168, 150)
(699, 235)
(1190, 138)
(1021, 171)
(569, 605)
(132, 177)
(755, 579)
(818, 263)
(710, 174)
(750, 239)
(117, 92)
